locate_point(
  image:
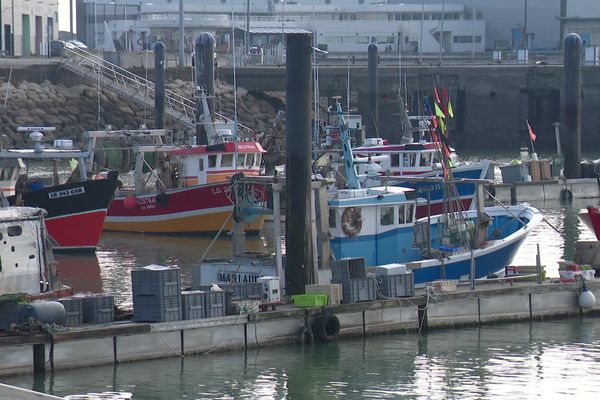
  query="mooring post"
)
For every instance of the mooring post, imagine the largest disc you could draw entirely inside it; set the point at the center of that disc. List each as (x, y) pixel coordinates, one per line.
(373, 89)
(298, 162)
(571, 107)
(538, 265)
(39, 358)
(159, 85)
(204, 64)
(472, 270)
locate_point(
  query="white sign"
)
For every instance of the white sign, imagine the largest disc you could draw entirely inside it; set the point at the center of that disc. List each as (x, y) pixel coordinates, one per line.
(65, 193)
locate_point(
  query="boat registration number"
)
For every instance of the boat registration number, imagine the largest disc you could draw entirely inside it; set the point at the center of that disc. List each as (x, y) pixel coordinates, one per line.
(66, 193)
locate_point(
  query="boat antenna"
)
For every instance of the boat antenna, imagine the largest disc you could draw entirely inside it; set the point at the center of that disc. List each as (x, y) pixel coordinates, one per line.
(146, 86)
(350, 167)
(235, 119)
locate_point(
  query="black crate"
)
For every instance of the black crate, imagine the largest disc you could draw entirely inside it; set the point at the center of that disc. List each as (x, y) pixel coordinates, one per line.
(347, 268)
(152, 308)
(9, 314)
(156, 280)
(193, 305)
(98, 308)
(359, 289)
(396, 285)
(216, 304)
(74, 310)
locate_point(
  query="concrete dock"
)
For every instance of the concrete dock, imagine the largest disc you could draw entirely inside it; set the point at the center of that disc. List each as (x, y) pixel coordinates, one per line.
(125, 341)
(584, 188)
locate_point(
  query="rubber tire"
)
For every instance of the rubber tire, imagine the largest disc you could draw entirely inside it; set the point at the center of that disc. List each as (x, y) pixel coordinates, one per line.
(566, 195)
(326, 328)
(162, 199)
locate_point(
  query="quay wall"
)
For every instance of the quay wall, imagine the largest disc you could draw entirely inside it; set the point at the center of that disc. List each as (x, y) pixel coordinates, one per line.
(491, 102)
(126, 342)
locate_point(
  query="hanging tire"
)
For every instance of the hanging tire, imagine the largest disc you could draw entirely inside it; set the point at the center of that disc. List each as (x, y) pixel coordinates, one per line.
(566, 195)
(162, 199)
(326, 328)
(306, 336)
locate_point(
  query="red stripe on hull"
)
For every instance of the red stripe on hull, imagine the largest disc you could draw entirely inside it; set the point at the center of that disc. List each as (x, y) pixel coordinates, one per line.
(77, 231)
(437, 207)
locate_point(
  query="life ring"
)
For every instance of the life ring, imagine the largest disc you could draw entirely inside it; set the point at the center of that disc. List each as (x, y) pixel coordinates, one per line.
(326, 328)
(140, 41)
(566, 195)
(162, 199)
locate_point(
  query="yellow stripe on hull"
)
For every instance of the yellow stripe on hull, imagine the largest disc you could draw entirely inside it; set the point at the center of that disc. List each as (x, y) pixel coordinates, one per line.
(206, 223)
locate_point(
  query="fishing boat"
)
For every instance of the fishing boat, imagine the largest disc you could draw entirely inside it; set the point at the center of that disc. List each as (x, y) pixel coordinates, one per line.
(590, 217)
(380, 224)
(177, 189)
(75, 206)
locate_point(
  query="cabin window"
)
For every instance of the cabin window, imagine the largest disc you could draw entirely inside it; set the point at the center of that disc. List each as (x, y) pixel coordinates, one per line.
(410, 213)
(257, 160)
(436, 158)
(14, 230)
(212, 161)
(395, 160)
(332, 220)
(425, 160)
(227, 160)
(201, 164)
(241, 160)
(402, 214)
(409, 159)
(386, 216)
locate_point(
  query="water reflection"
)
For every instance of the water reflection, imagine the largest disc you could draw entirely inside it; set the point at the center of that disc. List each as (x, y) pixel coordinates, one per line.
(508, 361)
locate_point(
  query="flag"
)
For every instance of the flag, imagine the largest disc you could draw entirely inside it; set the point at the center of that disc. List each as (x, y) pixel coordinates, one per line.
(532, 135)
(450, 111)
(439, 112)
(437, 96)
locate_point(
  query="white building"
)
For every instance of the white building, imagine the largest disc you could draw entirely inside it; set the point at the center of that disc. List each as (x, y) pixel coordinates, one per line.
(28, 26)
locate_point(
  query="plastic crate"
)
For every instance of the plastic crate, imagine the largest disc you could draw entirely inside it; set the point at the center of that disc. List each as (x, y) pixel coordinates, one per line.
(157, 280)
(151, 308)
(347, 268)
(333, 291)
(9, 314)
(359, 289)
(74, 309)
(309, 300)
(193, 305)
(396, 285)
(98, 308)
(216, 305)
(238, 291)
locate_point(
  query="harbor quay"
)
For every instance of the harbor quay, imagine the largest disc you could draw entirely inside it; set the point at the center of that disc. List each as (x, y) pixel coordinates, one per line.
(124, 341)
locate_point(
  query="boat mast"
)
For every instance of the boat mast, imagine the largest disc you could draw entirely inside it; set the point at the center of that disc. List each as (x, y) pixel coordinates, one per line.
(351, 175)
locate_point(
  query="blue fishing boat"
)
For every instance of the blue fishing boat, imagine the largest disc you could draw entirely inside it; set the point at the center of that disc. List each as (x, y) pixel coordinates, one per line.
(380, 224)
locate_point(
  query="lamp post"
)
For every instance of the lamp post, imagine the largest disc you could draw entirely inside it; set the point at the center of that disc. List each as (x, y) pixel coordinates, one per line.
(181, 36)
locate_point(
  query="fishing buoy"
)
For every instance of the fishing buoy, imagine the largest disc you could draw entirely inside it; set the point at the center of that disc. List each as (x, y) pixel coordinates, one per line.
(130, 202)
(587, 299)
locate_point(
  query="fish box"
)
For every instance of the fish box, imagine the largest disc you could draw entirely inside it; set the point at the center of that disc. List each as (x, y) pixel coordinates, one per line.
(396, 285)
(156, 280)
(359, 289)
(193, 304)
(74, 309)
(333, 291)
(309, 300)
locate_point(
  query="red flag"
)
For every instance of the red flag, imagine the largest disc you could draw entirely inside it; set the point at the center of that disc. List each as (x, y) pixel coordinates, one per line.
(437, 96)
(531, 134)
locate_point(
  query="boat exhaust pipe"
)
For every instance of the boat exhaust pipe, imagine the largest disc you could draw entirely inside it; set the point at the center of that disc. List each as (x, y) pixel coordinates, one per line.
(299, 262)
(571, 106)
(159, 85)
(204, 64)
(373, 89)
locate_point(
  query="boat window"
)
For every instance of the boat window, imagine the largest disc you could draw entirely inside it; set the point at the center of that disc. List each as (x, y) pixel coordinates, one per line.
(402, 214)
(410, 213)
(425, 160)
(409, 159)
(212, 161)
(436, 158)
(201, 164)
(386, 216)
(395, 160)
(332, 220)
(257, 160)
(14, 230)
(227, 160)
(241, 160)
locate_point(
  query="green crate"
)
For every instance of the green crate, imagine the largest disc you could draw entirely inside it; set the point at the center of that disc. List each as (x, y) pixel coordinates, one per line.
(310, 300)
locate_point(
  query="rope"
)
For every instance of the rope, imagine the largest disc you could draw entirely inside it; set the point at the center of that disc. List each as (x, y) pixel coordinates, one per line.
(215, 238)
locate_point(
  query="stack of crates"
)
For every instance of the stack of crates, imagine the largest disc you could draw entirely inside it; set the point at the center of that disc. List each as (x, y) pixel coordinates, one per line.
(238, 291)
(9, 314)
(215, 304)
(74, 310)
(352, 275)
(333, 291)
(193, 304)
(156, 294)
(402, 285)
(97, 308)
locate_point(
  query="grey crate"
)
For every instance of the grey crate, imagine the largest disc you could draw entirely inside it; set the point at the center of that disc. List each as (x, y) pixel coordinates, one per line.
(216, 305)
(193, 304)
(359, 289)
(98, 308)
(74, 310)
(152, 308)
(156, 280)
(397, 285)
(347, 268)
(9, 314)
(238, 291)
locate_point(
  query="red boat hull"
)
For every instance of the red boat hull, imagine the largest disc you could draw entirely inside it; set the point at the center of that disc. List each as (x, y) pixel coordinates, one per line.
(591, 218)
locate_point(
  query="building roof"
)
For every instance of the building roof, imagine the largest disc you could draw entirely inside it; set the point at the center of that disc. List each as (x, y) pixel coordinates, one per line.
(277, 30)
